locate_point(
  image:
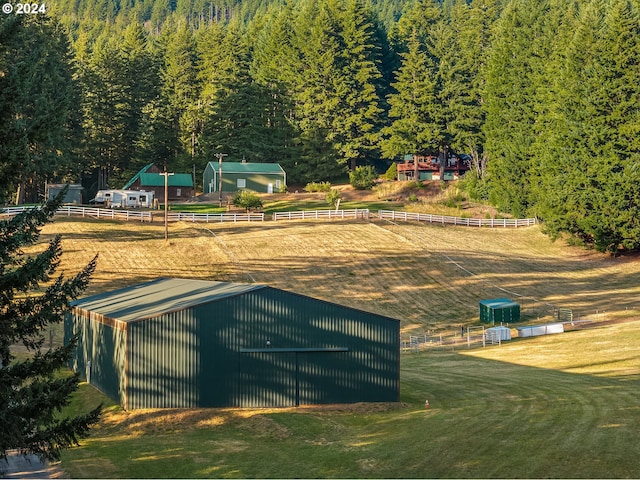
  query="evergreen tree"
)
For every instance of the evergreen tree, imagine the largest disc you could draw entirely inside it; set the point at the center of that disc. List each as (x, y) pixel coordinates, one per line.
(590, 185)
(272, 71)
(31, 395)
(316, 45)
(141, 86)
(120, 82)
(464, 48)
(412, 113)
(236, 107)
(514, 92)
(357, 118)
(415, 115)
(170, 122)
(102, 75)
(36, 95)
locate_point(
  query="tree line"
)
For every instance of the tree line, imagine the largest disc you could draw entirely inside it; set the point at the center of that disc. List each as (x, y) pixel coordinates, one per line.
(542, 97)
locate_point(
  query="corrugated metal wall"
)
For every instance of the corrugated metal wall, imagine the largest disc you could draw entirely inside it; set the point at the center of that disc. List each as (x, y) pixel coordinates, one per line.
(100, 355)
(164, 362)
(264, 348)
(367, 371)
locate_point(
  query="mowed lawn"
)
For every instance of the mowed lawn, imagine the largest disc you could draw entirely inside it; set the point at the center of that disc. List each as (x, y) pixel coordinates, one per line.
(558, 406)
(562, 406)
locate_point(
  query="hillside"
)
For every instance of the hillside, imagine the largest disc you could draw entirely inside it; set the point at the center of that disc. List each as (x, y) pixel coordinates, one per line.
(519, 410)
(429, 277)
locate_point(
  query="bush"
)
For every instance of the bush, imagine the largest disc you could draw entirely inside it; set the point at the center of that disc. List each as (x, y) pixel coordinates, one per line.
(363, 177)
(332, 197)
(477, 188)
(247, 199)
(392, 172)
(318, 187)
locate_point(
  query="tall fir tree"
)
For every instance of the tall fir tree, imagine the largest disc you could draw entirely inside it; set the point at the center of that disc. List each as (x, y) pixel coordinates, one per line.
(513, 93)
(357, 118)
(37, 91)
(31, 300)
(415, 116)
(590, 184)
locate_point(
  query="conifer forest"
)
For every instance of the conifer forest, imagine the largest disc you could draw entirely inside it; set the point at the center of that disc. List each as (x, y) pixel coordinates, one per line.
(543, 97)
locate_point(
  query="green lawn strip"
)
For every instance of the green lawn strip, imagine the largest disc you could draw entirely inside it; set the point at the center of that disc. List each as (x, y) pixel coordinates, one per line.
(290, 206)
(494, 413)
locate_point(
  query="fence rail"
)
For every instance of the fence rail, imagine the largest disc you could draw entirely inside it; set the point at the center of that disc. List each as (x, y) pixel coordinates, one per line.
(216, 217)
(322, 214)
(87, 212)
(145, 216)
(467, 222)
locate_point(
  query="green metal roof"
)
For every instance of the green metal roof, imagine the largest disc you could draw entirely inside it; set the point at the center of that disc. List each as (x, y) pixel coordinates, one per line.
(137, 175)
(157, 180)
(246, 167)
(498, 303)
(158, 297)
(175, 180)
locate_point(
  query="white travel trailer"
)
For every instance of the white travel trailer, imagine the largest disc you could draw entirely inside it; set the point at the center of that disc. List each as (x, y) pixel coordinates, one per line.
(124, 198)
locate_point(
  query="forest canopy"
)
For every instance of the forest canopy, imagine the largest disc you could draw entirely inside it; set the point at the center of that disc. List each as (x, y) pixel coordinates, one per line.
(542, 97)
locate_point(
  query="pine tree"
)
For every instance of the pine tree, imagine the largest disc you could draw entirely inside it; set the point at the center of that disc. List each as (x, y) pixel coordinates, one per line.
(357, 117)
(514, 91)
(36, 95)
(102, 75)
(31, 395)
(463, 52)
(590, 186)
(414, 127)
(415, 113)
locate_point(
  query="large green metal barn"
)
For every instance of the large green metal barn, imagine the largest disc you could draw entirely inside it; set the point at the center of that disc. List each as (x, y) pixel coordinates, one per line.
(178, 343)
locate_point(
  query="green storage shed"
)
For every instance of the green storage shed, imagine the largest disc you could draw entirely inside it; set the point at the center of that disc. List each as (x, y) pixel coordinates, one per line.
(259, 177)
(499, 310)
(179, 343)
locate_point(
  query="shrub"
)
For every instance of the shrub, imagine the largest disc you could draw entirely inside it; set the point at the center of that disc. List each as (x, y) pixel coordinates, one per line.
(477, 188)
(318, 187)
(247, 199)
(363, 177)
(332, 197)
(392, 172)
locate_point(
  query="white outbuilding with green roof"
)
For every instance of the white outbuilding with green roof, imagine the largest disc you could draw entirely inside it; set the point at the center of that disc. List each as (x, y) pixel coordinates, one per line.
(234, 176)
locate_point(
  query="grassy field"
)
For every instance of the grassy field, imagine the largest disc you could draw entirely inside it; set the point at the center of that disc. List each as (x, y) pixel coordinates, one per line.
(429, 277)
(559, 406)
(562, 406)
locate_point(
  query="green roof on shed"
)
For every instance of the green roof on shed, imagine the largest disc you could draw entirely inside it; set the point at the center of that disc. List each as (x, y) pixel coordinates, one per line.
(498, 303)
(157, 180)
(158, 297)
(137, 176)
(247, 167)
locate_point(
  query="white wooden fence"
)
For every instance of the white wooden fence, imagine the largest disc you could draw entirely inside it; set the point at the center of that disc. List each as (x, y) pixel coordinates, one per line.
(145, 216)
(322, 214)
(87, 212)
(467, 222)
(215, 217)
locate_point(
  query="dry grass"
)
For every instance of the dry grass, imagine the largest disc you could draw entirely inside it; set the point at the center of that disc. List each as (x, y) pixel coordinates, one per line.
(553, 407)
(429, 277)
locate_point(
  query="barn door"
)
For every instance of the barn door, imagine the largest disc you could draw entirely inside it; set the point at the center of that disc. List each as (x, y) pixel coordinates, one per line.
(267, 379)
(287, 378)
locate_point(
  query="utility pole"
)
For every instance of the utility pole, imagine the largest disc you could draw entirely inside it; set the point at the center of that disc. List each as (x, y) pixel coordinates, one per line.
(219, 156)
(166, 204)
